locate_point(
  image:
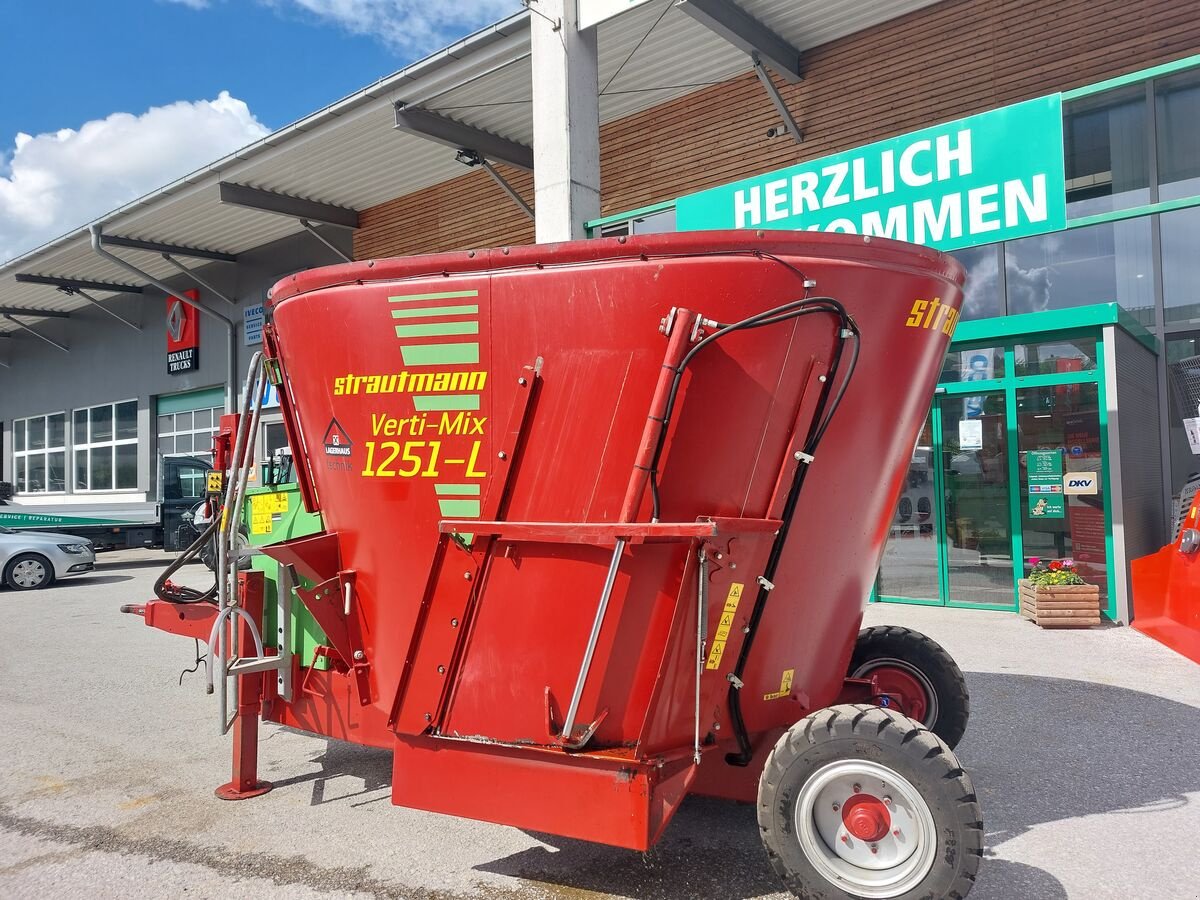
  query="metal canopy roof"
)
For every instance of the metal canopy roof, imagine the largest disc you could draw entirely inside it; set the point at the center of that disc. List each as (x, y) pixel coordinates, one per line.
(350, 155)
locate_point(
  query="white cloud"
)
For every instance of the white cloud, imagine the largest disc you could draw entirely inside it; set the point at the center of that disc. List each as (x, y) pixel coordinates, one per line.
(191, 4)
(52, 183)
(409, 26)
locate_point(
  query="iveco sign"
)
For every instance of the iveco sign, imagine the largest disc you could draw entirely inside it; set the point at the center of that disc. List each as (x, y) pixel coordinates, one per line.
(971, 181)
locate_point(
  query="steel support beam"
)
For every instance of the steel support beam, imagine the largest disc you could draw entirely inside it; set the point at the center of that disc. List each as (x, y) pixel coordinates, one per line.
(231, 378)
(197, 279)
(73, 283)
(781, 107)
(174, 249)
(454, 134)
(738, 27)
(311, 229)
(508, 188)
(36, 334)
(471, 158)
(8, 311)
(92, 300)
(283, 205)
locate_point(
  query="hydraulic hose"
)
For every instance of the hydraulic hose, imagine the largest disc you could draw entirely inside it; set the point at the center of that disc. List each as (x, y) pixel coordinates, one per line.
(175, 593)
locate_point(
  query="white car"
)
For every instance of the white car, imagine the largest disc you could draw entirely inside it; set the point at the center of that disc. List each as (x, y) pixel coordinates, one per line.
(34, 559)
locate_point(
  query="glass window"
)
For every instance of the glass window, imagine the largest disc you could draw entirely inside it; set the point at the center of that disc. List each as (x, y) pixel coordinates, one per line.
(126, 466)
(982, 296)
(1062, 423)
(36, 429)
(652, 223)
(1181, 264)
(981, 364)
(189, 431)
(1055, 357)
(1081, 266)
(106, 452)
(102, 424)
(1177, 120)
(1183, 376)
(1106, 141)
(127, 420)
(39, 453)
(910, 564)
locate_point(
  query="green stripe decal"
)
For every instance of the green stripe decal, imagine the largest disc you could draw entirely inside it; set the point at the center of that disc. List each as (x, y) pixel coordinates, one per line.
(459, 509)
(467, 309)
(443, 295)
(441, 354)
(460, 490)
(445, 402)
(436, 329)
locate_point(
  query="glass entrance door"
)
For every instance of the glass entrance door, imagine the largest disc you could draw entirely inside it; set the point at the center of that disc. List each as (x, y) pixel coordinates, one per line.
(977, 496)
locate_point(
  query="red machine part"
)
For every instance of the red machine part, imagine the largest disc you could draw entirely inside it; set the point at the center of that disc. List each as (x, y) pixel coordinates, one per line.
(486, 596)
(1166, 590)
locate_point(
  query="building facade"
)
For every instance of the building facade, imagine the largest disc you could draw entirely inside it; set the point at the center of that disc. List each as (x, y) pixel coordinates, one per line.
(1066, 336)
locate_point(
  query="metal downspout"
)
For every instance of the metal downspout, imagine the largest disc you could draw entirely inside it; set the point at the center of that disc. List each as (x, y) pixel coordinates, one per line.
(230, 328)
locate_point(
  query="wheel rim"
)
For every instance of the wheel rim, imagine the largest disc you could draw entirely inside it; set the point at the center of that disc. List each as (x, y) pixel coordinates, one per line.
(900, 685)
(865, 828)
(28, 573)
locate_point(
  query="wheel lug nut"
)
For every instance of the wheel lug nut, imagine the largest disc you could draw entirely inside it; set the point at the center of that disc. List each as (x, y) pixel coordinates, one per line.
(845, 839)
(836, 807)
(887, 801)
(874, 848)
(857, 788)
(896, 833)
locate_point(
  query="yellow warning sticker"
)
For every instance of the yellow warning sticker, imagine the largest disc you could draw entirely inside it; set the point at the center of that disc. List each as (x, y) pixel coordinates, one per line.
(263, 510)
(216, 482)
(724, 626)
(785, 686)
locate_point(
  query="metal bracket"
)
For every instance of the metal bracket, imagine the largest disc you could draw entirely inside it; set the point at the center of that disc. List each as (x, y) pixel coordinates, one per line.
(781, 106)
(196, 278)
(327, 602)
(92, 300)
(472, 158)
(36, 334)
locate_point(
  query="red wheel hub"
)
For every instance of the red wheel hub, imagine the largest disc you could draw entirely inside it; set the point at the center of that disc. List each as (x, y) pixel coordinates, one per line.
(866, 817)
(895, 688)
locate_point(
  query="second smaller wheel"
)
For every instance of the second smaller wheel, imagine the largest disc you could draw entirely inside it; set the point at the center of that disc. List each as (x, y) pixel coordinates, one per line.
(914, 675)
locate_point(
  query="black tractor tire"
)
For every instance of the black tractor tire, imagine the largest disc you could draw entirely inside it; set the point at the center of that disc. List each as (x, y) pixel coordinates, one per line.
(28, 572)
(208, 553)
(931, 811)
(947, 703)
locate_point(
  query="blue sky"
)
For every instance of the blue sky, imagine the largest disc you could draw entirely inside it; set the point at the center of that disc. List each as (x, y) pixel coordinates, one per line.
(106, 100)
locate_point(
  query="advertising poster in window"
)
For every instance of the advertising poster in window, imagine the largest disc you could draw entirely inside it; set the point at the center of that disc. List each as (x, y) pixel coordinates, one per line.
(183, 334)
(1045, 470)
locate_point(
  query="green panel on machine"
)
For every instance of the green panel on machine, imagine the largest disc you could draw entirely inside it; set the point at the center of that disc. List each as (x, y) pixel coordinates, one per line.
(273, 514)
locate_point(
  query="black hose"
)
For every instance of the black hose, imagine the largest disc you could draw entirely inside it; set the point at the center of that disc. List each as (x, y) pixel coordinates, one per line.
(826, 411)
(177, 593)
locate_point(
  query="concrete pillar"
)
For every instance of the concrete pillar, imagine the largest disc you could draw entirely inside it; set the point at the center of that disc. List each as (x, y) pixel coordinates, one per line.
(566, 122)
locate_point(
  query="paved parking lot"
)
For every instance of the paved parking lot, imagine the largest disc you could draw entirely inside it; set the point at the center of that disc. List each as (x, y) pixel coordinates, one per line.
(1083, 746)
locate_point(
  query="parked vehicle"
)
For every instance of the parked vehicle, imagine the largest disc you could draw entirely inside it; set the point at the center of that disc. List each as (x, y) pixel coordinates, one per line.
(34, 559)
(120, 525)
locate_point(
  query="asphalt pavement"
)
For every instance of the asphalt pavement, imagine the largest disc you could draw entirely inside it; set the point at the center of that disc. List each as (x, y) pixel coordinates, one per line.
(1083, 747)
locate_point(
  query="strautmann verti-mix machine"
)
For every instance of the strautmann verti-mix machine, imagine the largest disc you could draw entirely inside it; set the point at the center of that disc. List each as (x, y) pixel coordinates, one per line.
(595, 525)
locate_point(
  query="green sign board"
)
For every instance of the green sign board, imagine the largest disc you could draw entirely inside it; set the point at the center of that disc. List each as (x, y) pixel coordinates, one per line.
(1045, 471)
(990, 177)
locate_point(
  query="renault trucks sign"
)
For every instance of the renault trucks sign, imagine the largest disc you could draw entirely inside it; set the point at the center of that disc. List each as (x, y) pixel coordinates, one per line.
(990, 177)
(183, 334)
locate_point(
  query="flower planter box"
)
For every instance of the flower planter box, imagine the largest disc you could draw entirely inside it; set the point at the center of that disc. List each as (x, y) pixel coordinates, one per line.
(1060, 605)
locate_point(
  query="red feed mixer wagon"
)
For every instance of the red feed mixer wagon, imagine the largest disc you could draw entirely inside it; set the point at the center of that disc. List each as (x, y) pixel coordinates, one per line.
(600, 519)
